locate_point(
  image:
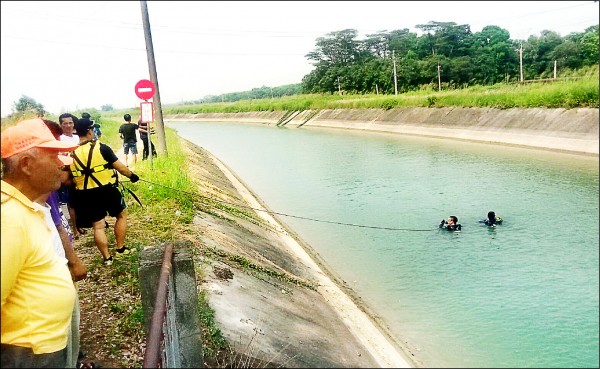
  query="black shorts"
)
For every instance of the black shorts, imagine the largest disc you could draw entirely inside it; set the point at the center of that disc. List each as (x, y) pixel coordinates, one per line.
(92, 205)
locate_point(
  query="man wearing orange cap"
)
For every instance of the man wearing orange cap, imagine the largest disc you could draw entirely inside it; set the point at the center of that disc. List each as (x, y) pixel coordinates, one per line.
(37, 290)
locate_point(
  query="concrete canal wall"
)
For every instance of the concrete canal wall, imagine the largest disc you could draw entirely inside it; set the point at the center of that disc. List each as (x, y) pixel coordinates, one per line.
(569, 130)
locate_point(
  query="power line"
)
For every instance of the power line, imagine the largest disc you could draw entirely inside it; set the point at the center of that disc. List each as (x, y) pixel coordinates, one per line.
(224, 32)
(37, 40)
(532, 14)
(168, 28)
(549, 11)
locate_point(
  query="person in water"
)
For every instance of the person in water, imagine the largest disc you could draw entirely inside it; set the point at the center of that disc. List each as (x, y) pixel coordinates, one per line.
(451, 224)
(492, 219)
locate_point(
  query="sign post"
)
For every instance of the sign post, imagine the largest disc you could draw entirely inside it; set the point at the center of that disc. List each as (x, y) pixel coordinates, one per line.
(144, 89)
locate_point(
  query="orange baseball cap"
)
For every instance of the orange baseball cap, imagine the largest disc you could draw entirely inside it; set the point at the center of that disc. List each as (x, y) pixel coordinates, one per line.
(33, 133)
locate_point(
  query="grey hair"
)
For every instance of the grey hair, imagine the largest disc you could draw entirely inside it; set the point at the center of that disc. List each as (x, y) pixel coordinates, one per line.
(9, 165)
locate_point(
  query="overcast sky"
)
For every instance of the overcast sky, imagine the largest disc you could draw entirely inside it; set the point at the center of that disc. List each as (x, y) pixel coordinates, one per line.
(84, 54)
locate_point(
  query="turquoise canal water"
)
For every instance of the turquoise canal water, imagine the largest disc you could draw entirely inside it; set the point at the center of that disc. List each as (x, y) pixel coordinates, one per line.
(524, 294)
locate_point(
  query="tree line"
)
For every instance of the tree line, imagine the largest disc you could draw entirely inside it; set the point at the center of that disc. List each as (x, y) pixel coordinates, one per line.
(342, 62)
(345, 64)
(263, 92)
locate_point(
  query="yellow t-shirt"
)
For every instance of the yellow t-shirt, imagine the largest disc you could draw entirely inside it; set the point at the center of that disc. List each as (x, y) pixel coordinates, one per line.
(37, 290)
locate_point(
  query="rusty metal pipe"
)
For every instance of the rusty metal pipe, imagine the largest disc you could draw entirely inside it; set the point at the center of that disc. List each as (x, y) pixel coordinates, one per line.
(152, 354)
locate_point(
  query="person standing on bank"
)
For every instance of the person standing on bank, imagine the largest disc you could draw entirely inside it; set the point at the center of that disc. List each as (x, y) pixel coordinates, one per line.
(143, 129)
(67, 123)
(94, 173)
(63, 245)
(38, 294)
(127, 132)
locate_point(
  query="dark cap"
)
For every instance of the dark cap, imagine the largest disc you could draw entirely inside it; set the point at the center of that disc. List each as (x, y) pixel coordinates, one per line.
(83, 125)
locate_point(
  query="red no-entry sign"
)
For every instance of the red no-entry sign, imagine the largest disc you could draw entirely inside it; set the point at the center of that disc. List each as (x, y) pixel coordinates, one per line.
(144, 89)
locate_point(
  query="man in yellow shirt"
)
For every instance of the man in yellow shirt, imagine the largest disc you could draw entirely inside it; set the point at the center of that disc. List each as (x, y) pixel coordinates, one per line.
(37, 290)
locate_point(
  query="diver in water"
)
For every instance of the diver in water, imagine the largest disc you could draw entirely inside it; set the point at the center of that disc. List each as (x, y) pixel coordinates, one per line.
(451, 224)
(492, 219)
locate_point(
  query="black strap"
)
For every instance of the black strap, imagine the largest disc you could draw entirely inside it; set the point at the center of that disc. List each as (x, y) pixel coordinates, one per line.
(132, 194)
(86, 170)
(76, 158)
(88, 167)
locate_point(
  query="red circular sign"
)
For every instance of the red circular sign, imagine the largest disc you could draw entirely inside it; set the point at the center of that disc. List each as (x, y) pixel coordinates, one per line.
(144, 89)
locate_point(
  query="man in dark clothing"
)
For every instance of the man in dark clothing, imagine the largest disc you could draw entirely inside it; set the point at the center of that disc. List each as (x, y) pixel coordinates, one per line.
(127, 132)
(143, 128)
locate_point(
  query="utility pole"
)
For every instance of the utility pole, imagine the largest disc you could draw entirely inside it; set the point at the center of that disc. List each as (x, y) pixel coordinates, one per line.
(339, 87)
(439, 79)
(162, 143)
(376, 89)
(395, 76)
(555, 69)
(521, 61)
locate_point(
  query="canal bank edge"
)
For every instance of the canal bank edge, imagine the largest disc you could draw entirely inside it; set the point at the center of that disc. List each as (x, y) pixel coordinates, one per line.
(567, 130)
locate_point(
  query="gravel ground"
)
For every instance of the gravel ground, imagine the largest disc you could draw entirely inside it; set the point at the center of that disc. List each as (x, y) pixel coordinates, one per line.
(106, 299)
